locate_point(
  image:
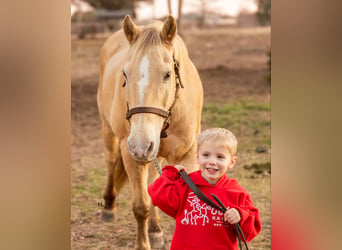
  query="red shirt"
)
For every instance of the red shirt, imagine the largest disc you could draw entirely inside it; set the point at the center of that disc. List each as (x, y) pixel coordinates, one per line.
(198, 225)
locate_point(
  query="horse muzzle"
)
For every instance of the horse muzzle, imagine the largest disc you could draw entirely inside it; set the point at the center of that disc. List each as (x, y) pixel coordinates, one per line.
(143, 152)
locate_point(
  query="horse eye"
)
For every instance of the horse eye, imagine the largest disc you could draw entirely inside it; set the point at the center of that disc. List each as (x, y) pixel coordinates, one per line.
(167, 76)
(125, 76)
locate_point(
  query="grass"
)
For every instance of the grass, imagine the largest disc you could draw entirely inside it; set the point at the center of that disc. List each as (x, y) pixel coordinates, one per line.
(248, 119)
(84, 192)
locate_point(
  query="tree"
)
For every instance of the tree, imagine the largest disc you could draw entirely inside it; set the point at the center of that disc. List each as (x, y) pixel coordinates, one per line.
(201, 20)
(264, 12)
(180, 15)
(169, 7)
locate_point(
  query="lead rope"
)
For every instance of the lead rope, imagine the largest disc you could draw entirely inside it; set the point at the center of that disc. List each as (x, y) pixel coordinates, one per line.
(158, 168)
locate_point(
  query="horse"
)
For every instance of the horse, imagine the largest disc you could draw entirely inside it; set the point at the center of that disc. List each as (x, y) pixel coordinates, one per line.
(150, 99)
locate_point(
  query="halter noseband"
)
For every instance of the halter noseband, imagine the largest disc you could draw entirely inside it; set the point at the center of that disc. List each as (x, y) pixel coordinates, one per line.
(157, 111)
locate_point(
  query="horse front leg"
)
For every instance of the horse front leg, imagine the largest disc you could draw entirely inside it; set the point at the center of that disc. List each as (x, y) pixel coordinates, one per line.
(111, 144)
(154, 230)
(137, 175)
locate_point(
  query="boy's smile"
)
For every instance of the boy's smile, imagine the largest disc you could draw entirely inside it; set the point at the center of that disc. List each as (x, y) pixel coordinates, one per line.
(213, 161)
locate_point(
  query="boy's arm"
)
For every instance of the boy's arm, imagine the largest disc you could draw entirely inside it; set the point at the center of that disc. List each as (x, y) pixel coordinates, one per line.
(250, 221)
(165, 191)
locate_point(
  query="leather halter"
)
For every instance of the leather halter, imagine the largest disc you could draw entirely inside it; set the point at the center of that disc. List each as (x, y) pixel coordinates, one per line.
(157, 111)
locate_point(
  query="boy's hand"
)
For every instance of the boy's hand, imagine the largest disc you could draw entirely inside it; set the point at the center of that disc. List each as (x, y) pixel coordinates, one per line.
(232, 216)
(180, 167)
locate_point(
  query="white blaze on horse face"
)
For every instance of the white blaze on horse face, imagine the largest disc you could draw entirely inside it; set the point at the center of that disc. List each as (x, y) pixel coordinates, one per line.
(144, 138)
(143, 82)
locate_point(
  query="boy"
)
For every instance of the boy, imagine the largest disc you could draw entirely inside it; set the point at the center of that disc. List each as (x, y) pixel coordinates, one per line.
(198, 225)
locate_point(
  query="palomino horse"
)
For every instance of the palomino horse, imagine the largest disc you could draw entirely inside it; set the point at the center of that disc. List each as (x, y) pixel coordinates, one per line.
(150, 100)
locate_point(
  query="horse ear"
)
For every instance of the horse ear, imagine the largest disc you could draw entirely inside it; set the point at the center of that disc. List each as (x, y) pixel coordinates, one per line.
(169, 30)
(132, 31)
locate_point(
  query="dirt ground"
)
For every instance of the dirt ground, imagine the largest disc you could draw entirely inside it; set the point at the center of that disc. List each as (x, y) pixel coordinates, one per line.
(232, 63)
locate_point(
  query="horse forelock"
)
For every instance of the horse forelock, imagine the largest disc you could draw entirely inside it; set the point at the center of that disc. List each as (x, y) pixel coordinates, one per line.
(149, 38)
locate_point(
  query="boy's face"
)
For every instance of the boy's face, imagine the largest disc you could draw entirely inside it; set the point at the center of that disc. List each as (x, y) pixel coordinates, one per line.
(213, 161)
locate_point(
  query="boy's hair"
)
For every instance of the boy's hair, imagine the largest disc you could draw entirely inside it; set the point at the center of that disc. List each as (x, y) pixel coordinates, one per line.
(222, 138)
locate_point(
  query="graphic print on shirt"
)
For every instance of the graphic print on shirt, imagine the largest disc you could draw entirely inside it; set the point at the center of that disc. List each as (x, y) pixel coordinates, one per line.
(197, 212)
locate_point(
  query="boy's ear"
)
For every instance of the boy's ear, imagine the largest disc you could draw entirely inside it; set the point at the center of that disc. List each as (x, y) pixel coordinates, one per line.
(233, 161)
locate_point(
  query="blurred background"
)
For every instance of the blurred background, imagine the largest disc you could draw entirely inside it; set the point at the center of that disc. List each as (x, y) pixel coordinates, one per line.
(91, 17)
(229, 43)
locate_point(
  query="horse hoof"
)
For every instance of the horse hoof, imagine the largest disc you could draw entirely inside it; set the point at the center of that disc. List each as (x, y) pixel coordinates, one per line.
(156, 240)
(107, 215)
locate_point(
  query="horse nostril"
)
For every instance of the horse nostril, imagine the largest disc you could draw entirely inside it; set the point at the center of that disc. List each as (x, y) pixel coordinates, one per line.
(130, 146)
(149, 149)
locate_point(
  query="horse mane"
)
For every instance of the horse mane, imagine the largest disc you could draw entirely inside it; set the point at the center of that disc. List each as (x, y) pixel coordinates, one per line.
(149, 37)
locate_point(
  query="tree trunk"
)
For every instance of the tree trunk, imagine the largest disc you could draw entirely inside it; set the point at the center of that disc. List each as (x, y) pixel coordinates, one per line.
(201, 20)
(169, 7)
(180, 15)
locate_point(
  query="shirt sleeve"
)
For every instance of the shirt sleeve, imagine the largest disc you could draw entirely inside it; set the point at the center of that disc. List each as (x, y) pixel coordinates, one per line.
(250, 221)
(165, 191)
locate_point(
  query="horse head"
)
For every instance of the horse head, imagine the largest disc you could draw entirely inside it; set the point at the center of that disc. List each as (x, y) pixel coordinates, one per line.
(150, 84)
